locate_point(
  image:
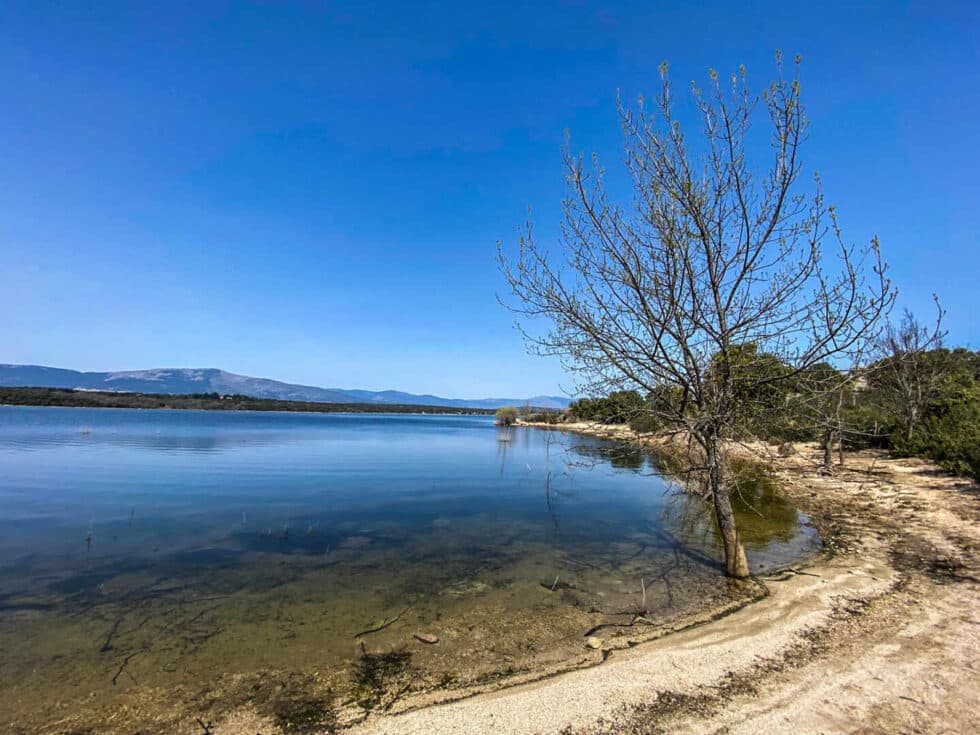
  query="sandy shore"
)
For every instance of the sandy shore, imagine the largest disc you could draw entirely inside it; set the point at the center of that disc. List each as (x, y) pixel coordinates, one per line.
(880, 634)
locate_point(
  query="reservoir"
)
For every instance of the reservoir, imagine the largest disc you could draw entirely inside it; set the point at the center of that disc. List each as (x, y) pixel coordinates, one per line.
(157, 566)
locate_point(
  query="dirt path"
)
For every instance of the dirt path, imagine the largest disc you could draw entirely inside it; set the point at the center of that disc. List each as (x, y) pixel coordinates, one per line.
(880, 635)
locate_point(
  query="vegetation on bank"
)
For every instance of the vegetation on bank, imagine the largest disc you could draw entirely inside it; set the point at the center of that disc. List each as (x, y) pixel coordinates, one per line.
(924, 404)
(205, 401)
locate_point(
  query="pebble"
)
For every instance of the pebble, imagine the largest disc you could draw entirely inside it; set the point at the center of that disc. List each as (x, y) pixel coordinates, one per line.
(427, 638)
(593, 642)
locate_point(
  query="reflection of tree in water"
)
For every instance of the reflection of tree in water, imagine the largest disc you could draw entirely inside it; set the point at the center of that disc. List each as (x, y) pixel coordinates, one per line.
(558, 478)
(621, 456)
(637, 563)
(504, 438)
(667, 565)
(762, 513)
(526, 438)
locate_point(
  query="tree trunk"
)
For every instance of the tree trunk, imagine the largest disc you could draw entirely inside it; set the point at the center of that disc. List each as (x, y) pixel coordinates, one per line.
(910, 422)
(828, 449)
(736, 565)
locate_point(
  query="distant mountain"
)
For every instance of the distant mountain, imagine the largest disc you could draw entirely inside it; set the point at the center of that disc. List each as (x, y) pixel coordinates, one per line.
(211, 380)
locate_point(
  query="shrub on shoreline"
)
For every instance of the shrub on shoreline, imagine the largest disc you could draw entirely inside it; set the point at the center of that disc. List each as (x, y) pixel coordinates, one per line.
(505, 416)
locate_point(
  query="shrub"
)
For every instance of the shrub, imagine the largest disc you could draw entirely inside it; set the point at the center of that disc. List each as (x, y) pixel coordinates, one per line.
(950, 431)
(545, 417)
(506, 416)
(618, 408)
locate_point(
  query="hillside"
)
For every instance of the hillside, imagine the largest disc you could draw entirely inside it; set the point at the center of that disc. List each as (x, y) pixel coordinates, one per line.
(186, 381)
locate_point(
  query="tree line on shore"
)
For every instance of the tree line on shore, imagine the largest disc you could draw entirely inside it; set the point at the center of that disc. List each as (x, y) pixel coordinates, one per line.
(914, 403)
(14, 396)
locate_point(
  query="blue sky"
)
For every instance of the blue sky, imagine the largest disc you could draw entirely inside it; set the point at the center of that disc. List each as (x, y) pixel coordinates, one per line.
(313, 191)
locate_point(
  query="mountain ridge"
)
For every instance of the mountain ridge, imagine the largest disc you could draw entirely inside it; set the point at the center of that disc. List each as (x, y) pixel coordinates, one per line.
(215, 380)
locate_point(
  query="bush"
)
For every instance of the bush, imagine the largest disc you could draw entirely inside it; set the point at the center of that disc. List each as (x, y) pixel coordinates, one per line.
(618, 408)
(950, 432)
(545, 417)
(506, 416)
(645, 423)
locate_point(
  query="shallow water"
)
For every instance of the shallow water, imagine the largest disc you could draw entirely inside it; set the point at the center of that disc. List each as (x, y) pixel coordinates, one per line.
(157, 566)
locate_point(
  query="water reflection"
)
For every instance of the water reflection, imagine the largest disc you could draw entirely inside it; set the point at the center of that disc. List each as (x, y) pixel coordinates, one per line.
(763, 514)
(623, 455)
(158, 543)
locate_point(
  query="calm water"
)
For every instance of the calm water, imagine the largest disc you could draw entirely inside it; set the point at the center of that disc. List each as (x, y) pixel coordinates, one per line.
(164, 556)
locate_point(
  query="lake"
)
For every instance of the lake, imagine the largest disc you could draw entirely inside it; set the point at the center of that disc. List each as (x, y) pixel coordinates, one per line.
(157, 566)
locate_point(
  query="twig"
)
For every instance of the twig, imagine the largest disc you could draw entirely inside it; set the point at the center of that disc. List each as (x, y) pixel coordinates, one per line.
(800, 571)
(583, 563)
(385, 624)
(108, 639)
(122, 667)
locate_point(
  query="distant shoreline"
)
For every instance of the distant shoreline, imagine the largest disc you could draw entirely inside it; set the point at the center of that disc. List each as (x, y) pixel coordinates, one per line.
(68, 398)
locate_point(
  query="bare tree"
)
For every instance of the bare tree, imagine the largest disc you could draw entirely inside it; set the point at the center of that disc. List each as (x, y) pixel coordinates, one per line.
(663, 295)
(911, 367)
(824, 394)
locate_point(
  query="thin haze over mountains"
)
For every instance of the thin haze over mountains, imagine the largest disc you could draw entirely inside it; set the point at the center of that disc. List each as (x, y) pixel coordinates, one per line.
(212, 380)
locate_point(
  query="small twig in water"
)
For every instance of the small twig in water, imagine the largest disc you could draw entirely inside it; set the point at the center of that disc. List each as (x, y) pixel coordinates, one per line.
(108, 639)
(385, 624)
(555, 584)
(122, 667)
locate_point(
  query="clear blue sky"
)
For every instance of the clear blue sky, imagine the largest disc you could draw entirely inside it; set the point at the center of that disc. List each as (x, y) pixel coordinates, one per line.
(313, 191)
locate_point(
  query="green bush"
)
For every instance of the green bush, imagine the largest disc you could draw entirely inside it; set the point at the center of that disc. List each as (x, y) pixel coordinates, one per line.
(506, 416)
(950, 432)
(545, 417)
(789, 411)
(645, 423)
(618, 408)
